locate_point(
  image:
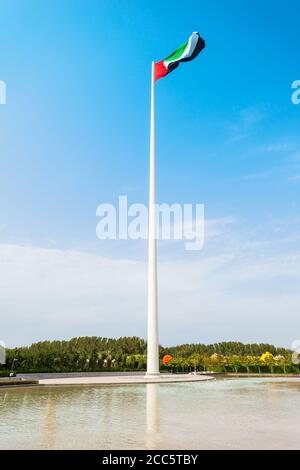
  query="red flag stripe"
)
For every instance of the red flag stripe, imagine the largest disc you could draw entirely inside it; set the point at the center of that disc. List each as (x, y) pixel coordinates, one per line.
(160, 70)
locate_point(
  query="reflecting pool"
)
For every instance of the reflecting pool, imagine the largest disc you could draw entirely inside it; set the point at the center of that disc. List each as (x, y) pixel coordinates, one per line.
(228, 413)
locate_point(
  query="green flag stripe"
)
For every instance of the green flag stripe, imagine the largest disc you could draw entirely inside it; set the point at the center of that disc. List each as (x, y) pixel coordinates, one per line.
(177, 54)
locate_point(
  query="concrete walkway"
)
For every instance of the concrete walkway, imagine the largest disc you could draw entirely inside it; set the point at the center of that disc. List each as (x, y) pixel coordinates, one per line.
(123, 379)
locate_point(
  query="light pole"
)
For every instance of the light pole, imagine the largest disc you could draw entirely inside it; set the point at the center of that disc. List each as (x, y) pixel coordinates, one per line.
(11, 374)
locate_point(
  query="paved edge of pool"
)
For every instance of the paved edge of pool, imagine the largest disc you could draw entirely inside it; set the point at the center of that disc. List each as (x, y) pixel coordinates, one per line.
(18, 383)
(125, 380)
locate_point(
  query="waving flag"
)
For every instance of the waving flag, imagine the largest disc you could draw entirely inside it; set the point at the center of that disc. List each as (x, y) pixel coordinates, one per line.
(188, 51)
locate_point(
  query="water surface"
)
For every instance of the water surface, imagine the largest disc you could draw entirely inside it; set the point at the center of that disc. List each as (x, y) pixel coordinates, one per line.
(240, 413)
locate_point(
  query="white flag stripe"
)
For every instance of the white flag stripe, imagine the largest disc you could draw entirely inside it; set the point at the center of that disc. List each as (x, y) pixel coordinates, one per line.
(190, 47)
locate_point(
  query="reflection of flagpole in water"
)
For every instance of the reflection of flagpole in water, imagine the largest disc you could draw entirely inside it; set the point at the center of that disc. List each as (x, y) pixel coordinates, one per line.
(153, 416)
(48, 428)
(3, 398)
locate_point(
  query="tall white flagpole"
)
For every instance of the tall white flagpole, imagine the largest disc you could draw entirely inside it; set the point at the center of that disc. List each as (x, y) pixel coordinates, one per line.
(153, 344)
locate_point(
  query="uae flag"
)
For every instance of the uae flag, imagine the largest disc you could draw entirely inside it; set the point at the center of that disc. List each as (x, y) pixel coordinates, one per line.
(188, 51)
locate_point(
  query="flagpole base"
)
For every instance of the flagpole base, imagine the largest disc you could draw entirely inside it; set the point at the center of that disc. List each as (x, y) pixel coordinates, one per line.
(152, 374)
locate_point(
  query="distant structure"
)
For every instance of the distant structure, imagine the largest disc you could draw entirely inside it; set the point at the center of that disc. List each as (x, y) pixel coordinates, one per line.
(2, 353)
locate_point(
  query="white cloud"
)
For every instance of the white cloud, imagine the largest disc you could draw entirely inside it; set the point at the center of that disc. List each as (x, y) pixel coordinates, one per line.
(49, 293)
(246, 121)
(275, 148)
(257, 175)
(295, 178)
(215, 227)
(296, 156)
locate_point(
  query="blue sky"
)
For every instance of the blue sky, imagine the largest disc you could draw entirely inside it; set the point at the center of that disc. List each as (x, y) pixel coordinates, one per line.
(75, 132)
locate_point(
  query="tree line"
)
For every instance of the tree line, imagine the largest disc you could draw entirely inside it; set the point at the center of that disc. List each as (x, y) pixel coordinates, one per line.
(129, 353)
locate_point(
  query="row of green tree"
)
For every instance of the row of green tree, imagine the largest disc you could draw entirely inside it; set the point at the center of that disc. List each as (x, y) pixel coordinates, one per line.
(266, 363)
(232, 348)
(129, 353)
